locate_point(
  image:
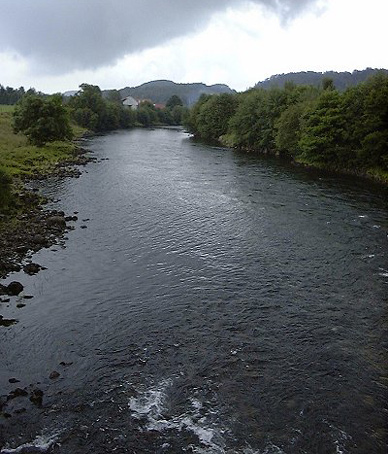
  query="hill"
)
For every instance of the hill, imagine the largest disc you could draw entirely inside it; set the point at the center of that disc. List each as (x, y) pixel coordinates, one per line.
(159, 91)
(341, 80)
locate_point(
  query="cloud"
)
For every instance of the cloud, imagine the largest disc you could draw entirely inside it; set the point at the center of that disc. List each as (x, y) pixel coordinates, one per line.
(65, 35)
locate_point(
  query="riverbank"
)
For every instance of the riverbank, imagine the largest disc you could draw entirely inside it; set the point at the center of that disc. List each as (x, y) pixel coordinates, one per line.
(25, 225)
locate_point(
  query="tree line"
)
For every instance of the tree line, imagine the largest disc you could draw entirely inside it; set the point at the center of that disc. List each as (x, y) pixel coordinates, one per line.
(342, 80)
(45, 118)
(317, 126)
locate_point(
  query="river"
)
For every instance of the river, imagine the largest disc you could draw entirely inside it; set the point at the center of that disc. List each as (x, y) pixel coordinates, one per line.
(207, 301)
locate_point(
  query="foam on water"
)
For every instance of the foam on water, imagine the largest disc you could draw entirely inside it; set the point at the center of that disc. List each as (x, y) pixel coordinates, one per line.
(41, 444)
(152, 405)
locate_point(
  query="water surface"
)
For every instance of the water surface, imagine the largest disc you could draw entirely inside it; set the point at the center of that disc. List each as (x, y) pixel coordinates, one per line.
(216, 302)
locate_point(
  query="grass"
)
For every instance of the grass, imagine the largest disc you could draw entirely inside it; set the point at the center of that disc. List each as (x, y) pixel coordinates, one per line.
(5, 108)
(19, 158)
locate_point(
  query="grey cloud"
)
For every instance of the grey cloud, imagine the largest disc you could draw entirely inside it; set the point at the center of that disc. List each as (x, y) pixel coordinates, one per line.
(64, 35)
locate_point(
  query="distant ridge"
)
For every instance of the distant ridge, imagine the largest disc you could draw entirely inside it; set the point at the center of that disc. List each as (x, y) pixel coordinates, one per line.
(341, 80)
(159, 91)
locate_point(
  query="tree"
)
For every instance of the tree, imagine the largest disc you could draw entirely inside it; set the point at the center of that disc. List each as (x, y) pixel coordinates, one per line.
(323, 135)
(42, 120)
(88, 107)
(191, 122)
(214, 114)
(253, 125)
(288, 129)
(173, 101)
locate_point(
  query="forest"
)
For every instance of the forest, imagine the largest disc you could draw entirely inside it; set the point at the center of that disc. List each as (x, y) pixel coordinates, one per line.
(315, 126)
(342, 80)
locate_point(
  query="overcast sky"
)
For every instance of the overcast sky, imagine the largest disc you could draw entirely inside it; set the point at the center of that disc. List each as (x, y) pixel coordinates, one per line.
(55, 45)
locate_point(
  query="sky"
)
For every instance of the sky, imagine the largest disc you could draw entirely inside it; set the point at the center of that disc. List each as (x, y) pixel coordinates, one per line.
(56, 45)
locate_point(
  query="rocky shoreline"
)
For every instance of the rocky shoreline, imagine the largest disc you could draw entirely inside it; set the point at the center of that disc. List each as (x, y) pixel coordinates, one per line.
(34, 227)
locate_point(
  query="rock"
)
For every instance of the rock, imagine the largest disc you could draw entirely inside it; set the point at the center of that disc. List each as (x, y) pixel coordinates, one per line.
(39, 240)
(54, 374)
(14, 380)
(7, 322)
(22, 249)
(14, 288)
(56, 221)
(18, 392)
(83, 227)
(36, 397)
(14, 267)
(32, 268)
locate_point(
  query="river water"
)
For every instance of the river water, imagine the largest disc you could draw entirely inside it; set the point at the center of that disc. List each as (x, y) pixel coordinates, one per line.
(207, 301)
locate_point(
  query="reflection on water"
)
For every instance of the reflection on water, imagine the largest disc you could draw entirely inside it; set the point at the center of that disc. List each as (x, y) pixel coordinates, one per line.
(213, 302)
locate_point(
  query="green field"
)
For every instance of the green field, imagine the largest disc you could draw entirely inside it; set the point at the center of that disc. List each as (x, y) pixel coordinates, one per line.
(4, 108)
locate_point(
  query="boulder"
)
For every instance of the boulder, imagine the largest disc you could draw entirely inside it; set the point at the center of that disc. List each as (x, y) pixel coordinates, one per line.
(14, 288)
(36, 397)
(54, 374)
(32, 268)
(56, 221)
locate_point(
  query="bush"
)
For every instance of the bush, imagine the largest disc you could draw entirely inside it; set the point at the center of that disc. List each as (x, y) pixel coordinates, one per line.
(42, 120)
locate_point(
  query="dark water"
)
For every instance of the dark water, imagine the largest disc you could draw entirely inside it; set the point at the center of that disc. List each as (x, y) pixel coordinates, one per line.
(215, 303)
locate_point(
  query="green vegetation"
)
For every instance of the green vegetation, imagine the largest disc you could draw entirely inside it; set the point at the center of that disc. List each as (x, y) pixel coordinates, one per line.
(6, 108)
(19, 158)
(35, 133)
(9, 95)
(90, 110)
(99, 112)
(317, 126)
(341, 80)
(41, 119)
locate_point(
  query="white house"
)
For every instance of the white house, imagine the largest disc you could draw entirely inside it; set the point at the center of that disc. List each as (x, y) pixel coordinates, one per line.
(130, 102)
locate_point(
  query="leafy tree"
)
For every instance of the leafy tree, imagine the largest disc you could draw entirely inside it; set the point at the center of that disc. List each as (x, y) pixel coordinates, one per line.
(88, 107)
(328, 83)
(42, 120)
(147, 114)
(214, 114)
(323, 131)
(288, 129)
(374, 134)
(127, 118)
(288, 125)
(253, 126)
(85, 117)
(10, 96)
(173, 101)
(191, 122)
